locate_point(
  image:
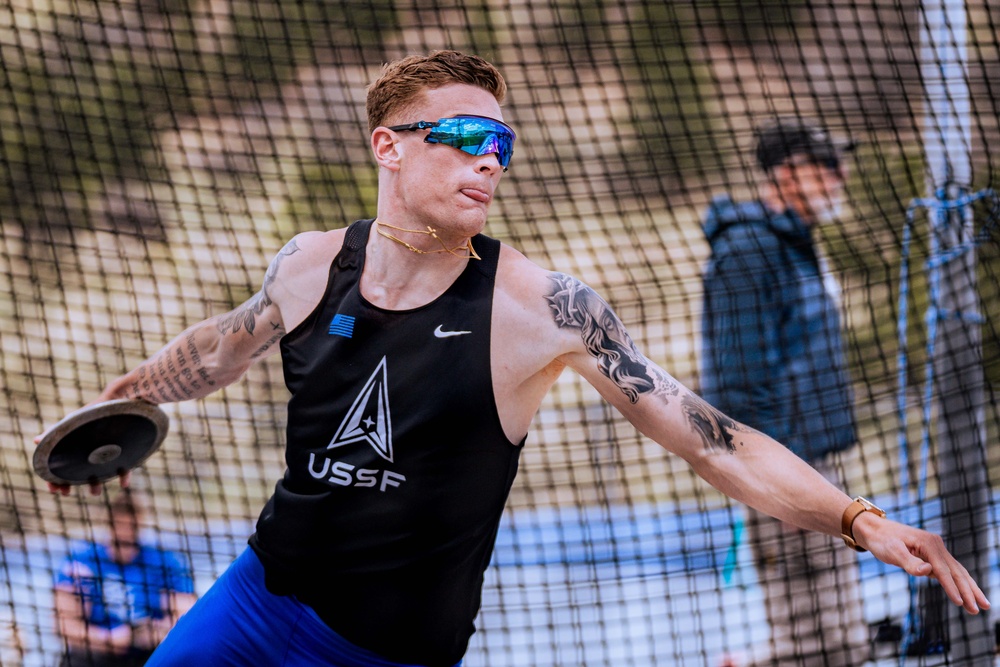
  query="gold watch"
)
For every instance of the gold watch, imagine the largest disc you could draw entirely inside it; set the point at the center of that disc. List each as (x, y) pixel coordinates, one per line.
(853, 511)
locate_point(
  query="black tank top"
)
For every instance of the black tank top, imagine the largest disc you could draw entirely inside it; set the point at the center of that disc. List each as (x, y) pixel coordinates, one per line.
(398, 468)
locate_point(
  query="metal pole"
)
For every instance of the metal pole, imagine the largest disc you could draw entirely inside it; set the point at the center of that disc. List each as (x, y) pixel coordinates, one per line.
(958, 367)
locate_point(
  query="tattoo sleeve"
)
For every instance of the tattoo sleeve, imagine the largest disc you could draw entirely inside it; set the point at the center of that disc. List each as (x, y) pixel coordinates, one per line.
(178, 373)
(277, 331)
(575, 305)
(717, 431)
(246, 315)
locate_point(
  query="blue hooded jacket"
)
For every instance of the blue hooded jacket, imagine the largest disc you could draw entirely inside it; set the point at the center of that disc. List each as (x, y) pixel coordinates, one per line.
(772, 354)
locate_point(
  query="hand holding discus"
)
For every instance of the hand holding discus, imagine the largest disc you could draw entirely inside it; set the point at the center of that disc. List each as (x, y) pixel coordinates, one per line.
(99, 442)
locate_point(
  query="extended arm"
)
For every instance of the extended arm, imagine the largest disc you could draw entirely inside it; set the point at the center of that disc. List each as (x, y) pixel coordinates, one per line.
(216, 352)
(741, 462)
(211, 354)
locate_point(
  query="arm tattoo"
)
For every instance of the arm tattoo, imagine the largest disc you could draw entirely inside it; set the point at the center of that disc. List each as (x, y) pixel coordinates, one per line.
(277, 332)
(577, 306)
(717, 431)
(176, 374)
(246, 315)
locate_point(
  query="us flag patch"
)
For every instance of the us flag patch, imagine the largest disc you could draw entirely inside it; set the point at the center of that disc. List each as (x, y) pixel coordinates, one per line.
(342, 325)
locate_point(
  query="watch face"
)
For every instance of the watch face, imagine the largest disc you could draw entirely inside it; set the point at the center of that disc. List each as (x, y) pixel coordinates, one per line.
(870, 506)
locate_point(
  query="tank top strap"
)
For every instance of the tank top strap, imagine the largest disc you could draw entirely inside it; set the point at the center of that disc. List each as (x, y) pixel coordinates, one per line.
(489, 252)
(352, 253)
(357, 234)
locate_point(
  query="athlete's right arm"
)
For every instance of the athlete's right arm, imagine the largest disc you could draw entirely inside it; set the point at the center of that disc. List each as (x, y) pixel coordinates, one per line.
(216, 352)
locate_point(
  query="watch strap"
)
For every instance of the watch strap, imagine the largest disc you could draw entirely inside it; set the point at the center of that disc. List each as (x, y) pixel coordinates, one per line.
(853, 511)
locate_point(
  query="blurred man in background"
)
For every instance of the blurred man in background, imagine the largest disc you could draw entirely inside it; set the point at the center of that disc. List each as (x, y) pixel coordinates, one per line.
(773, 359)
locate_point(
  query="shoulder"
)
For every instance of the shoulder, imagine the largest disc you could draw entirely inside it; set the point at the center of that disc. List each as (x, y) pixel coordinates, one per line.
(516, 273)
(548, 305)
(82, 561)
(85, 550)
(305, 258)
(305, 249)
(527, 283)
(153, 555)
(749, 248)
(298, 274)
(734, 225)
(747, 236)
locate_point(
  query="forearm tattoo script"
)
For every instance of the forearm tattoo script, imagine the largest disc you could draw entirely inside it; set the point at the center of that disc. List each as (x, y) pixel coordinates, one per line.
(577, 306)
(246, 315)
(176, 374)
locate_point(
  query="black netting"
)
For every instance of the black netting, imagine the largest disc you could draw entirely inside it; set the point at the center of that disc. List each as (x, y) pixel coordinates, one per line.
(155, 154)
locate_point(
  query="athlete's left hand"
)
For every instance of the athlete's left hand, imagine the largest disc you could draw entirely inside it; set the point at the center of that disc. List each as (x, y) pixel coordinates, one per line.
(921, 554)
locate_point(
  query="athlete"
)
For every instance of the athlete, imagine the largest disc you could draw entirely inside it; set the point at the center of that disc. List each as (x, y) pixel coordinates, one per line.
(417, 351)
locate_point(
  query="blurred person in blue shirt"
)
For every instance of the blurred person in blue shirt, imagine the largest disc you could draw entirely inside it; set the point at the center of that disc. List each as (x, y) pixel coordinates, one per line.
(773, 358)
(116, 601)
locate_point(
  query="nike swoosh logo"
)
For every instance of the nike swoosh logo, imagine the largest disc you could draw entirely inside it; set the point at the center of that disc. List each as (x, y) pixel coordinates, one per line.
(447, 334)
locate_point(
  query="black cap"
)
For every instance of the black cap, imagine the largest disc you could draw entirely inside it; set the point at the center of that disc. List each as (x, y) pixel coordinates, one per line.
(783, 138)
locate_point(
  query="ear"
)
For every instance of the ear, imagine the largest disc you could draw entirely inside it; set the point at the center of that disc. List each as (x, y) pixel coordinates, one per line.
(776, 189)
(386, 148)
(780, 173)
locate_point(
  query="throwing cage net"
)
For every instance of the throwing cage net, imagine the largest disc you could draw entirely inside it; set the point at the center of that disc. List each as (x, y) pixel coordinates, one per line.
(155, 154)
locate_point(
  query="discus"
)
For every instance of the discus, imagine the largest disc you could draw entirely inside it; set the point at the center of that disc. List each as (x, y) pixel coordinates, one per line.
(100, 442)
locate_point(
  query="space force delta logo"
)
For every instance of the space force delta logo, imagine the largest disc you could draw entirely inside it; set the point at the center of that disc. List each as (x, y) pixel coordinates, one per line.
(367, 421)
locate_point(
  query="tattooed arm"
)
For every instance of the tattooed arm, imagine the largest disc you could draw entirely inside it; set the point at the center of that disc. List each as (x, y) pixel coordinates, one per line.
(736, 459)
(216, 352)
(571, 324)
(213, 353)
(740, 461)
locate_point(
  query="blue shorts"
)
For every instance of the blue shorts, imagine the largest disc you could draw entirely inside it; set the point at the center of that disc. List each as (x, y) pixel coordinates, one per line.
(238, 623)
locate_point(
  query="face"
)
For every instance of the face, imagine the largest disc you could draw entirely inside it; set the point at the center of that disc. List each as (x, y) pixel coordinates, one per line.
(432, 183)
(124, 529)
(814, 191)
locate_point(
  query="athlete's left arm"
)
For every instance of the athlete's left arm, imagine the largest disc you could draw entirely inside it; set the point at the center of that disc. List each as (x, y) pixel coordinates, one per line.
(739, 461)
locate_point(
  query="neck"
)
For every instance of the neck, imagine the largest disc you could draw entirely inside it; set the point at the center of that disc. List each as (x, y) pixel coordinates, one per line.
(398, 278)
(462, 251)
(124, 553)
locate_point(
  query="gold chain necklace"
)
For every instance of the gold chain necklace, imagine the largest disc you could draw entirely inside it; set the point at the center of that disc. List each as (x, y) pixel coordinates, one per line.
(470, 252)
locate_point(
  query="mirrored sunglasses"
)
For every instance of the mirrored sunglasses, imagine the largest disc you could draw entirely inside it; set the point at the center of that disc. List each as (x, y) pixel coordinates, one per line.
(475, 135)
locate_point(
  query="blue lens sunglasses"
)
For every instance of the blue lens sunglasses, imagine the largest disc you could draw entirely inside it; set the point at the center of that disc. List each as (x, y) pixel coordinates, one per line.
(475, 135)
